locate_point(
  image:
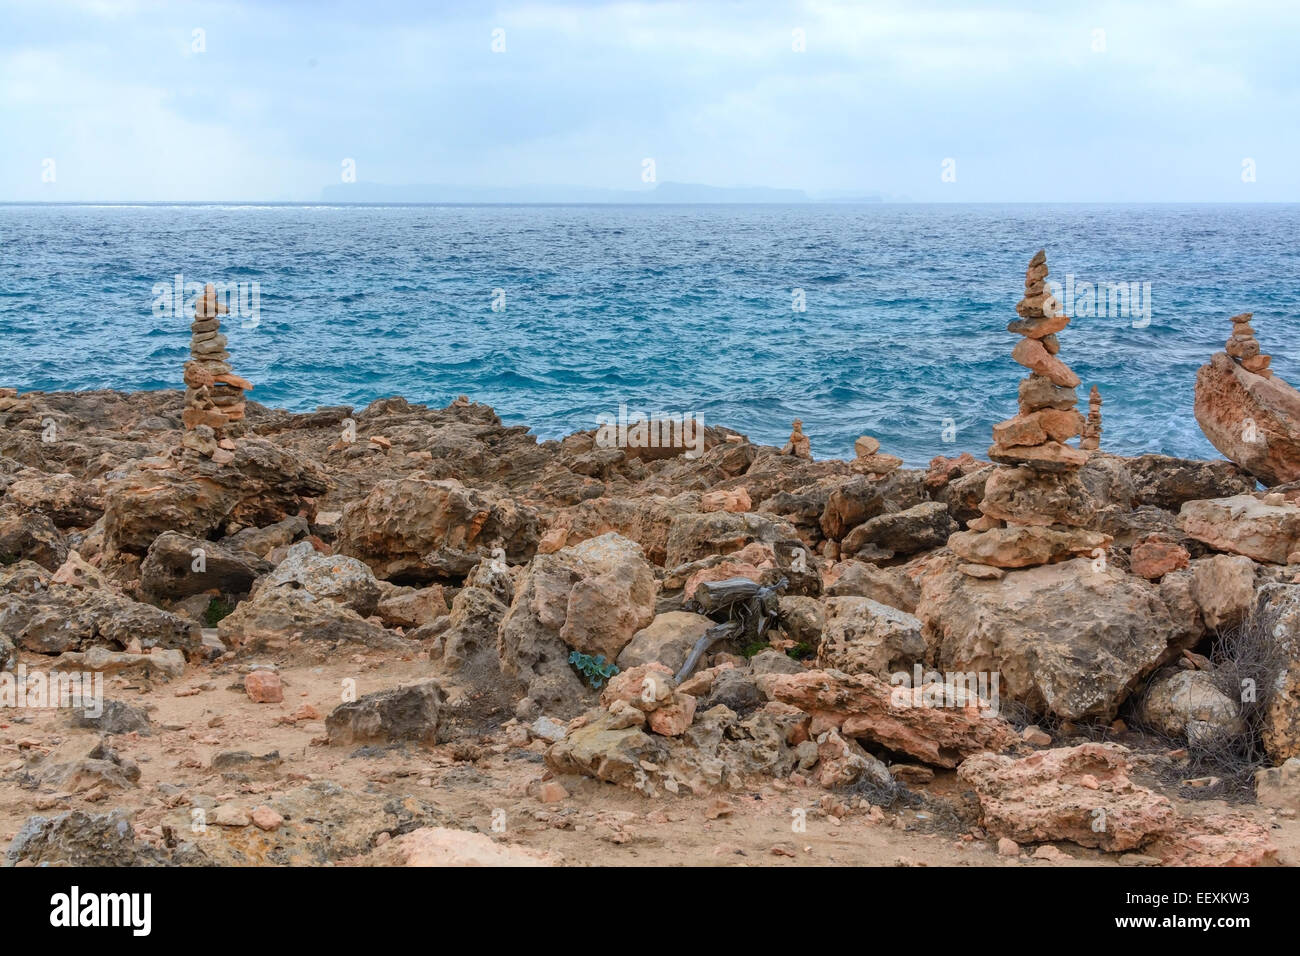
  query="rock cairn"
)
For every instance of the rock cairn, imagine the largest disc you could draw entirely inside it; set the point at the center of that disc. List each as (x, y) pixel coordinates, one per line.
(1091, 440)
(1244, 347)
(871, 460)
(1035, 508)
(798, 445)
(214, 395)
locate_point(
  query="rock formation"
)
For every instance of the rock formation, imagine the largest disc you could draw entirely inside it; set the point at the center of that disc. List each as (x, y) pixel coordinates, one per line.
(1091, 440)
(798, 445)
(1035, 509)
(214, 395)
(1246, 412)
(871, 460)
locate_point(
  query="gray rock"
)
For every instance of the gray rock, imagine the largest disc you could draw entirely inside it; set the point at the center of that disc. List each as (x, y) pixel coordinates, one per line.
(389, 716)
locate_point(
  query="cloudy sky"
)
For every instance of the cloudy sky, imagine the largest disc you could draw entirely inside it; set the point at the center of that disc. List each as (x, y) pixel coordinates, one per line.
(1097, 102)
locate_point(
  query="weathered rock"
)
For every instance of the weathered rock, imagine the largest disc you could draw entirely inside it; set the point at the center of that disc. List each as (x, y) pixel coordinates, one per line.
(1169, 482)
(695, 536)
(389, 716)
(1023, 496)
(413, 530)
(667, 639)
(1226, 839)
(1067, 639)
(1244, 524)
(886, 585)
(263, 484)
(277, 618)
(71, 619)
(1278, 607)
(606, 751)
(1223, 587)
(861, 636)
(77, 838)
(591, 598)
(178, 565)
(1021, 547)
(1279, 787)
(1251, 419)
(918, 528)
(1048, 456)
(31, 536)
(869, 709)
(1082, 794)
(1190, 705)
(411, 607)
(1154, 557)
(337, 578)
(67, 500)
(118, 717)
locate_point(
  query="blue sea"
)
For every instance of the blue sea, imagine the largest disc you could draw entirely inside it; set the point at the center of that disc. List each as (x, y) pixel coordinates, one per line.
(668, 309)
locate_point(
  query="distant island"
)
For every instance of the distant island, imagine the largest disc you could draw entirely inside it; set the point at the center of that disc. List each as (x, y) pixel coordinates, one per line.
(363, 192)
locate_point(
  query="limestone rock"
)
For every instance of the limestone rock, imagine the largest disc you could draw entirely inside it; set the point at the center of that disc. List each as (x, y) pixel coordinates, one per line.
(1082, 794)
(1252, 419)
(400, 714)
(1066, 639)
(861, 636)
(1243, 524)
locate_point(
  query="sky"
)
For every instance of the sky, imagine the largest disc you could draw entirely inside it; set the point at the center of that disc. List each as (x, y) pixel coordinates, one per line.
(977, 101)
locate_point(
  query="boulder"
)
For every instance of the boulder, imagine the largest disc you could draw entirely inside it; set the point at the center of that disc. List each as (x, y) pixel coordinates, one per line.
(178, 565)
(667, 640)
(886, 585)
(861, 636)
(65, 618)
(277, 618)
(1191, 706)
(1252, 420)
(592, 598)
(263, 484)
(919, 528)
(1279, 787)
(1068, 639)
(607, 749)
(1082, 794)
(1244, 524)
(695, 536)
(69, 501)
(30, 536)
(1278, 607)
(1167, 482)
(413, 530)
(1026, 497)
(1223, 587)
(400, 714)
(330, 577)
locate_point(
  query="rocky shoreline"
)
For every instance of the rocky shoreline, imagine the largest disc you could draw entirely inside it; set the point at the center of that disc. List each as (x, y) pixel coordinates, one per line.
(403, 634)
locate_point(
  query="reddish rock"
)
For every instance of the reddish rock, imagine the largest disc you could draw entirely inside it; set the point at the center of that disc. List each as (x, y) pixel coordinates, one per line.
(1154, 557)
(1040, 798)
(1252, 419)
(896, 718)
(263, 687)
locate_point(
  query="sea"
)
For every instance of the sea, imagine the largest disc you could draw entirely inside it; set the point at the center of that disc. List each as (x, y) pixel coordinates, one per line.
(880, 319)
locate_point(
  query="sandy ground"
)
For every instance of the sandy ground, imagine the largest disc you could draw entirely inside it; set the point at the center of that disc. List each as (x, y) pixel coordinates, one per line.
(495, 791)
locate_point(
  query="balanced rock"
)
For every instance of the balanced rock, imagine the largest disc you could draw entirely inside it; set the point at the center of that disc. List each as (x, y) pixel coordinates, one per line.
(1252, 418)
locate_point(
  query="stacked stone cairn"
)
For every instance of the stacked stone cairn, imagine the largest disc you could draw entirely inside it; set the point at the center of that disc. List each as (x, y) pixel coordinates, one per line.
(799, 445)
(1244, 348)
(1091, 440)
(214, 395)
(1035, 509)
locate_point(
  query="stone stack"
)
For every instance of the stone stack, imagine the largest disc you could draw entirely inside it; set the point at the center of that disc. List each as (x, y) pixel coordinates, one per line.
(1244, 348)
(1035, 508)
(1091, 440)
(871, 460)
(799, 446)
(214, 395)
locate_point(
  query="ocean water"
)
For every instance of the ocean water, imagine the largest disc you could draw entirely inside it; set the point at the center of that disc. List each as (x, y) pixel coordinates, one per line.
(664, 309)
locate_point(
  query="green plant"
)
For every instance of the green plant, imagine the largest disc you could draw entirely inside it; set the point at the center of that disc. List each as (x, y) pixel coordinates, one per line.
(216, 610)
(6, 558)
(594, 669)
(801, 651)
